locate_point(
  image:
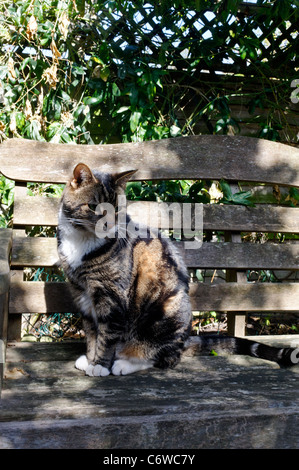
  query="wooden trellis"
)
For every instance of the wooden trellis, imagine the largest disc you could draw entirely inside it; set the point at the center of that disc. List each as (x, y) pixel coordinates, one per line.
(187, 35)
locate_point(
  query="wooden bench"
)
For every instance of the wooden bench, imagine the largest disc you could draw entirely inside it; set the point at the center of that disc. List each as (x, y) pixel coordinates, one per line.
(234, 159)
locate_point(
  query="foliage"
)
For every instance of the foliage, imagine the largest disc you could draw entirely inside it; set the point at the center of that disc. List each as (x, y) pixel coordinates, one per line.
(243, 198)
(76, 71)
(187, 191)
(168, 191)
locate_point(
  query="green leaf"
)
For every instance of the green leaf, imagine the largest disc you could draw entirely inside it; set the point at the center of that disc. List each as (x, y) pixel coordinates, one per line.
(213, 353)
(225, 188)
(20, 120)
(122, 109)
(104, 73)
(134, 120)
(98, 60)
(195, 189)
(78, 111)
(115, 90)
(241, 198)
(65, 96)
(53, 129)
(133, 189)
(80, 6)
(92, 100)
(32, 130)
(243, 52)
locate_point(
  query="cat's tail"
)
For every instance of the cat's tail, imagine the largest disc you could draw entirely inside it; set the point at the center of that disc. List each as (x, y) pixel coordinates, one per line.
(219, 345)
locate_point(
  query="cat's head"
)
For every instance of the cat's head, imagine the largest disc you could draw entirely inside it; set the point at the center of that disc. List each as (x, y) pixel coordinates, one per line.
(90, 196)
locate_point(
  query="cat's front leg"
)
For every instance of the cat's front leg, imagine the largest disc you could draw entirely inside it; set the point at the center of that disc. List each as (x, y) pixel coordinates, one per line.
(101, 366)
(84, 361)
(110, 329)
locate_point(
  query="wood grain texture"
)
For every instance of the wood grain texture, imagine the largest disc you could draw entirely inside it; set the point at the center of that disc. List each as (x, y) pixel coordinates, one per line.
(37, 251)
(241, 402)
(5, 248)
(40, 297)
(38, 210)
(248, 297)
(206, 156)
(43, 252)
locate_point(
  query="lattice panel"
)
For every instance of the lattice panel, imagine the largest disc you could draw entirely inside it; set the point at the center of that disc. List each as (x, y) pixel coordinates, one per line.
(197, 40)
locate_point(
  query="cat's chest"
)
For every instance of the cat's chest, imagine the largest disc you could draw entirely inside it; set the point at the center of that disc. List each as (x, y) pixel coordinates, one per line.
(74, 246)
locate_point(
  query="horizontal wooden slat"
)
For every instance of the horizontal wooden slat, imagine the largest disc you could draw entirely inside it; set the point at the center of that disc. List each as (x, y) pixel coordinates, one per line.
(243, 256)
(206, 156)
(40, 210)
(39, 297)
(263, 218)
(238, 297)
(37, 251)
(43, 252)
(35, 210)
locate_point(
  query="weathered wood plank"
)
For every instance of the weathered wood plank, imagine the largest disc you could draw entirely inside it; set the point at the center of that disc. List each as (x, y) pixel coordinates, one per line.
(263, 218)
(5, 247)
(40, 210)
(40, 297)
(38, 251)
(241, 297)
(35, 210)
(206, 156)
(47, 403)
(43, 252)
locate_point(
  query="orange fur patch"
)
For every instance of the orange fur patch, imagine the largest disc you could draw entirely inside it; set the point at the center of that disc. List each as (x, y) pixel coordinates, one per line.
(132, 350)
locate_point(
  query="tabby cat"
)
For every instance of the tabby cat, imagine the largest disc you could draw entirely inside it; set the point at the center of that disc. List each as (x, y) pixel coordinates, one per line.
(132, 291)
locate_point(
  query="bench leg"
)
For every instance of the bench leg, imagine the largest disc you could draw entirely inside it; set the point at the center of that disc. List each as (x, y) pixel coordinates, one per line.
(15, 320)
(236, 321)
(236, 324)
(14, 327)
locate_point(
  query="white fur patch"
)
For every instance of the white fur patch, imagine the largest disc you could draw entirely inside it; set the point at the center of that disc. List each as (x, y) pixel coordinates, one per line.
(280, 353)
(87, 307)
(76, 243)
(97, 371)
(81, 363)
(128, 366)
(254, 349)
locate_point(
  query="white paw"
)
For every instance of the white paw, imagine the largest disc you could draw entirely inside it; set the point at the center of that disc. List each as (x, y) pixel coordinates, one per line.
(81, 363)
(125, 367)
(100, 371)
(121, 367)
(97, 371)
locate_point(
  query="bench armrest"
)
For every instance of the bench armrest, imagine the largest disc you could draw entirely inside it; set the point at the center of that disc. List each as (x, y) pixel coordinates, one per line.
(5, 247)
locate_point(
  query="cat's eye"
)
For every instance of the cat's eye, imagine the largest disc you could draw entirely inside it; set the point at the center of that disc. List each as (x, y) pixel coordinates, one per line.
(92, 207)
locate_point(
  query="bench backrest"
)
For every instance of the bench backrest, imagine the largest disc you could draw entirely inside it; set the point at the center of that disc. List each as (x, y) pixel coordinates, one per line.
(235, 159)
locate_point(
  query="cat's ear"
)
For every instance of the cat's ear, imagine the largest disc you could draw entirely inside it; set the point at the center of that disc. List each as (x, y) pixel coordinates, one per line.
(121, 179)
(82, 175)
